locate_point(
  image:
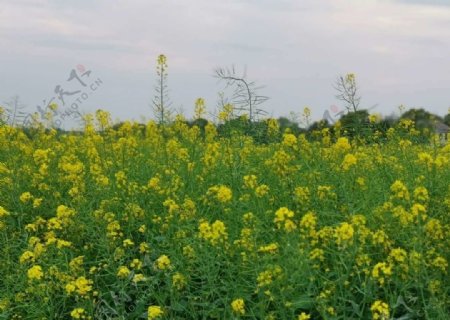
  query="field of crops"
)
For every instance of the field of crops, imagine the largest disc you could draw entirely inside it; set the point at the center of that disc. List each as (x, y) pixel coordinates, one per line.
(175, 222)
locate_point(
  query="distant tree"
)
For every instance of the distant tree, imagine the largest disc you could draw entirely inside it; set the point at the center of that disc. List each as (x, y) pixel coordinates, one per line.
(230, 126)
(161, 103)
(117, 126)
(422, 118)
(386, 123)
(447, 119)
(318, 125)
(199, 122)
(3, 115)
(285, 123)
(348, 91)
(245, 93)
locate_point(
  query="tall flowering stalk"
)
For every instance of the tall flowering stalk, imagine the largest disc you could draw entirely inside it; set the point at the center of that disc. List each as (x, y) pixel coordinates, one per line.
(161, 103)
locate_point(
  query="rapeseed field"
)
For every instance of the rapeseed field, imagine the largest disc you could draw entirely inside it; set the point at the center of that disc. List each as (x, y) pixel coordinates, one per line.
(178, 222)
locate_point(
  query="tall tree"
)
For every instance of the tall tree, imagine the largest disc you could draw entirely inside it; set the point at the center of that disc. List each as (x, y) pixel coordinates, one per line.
(245, 93)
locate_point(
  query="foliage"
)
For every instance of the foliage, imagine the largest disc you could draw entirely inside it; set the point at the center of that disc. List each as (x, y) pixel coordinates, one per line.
(162, 221)
(422, 118)
(447, 119)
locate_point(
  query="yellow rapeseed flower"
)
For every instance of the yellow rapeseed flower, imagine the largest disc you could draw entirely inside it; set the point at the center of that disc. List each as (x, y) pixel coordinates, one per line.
(139, 277)
(349, 161)
(344, 233)
(3, 212)
(342, 145)
(289, 140)
(27, 256)
(380, 310)
(163, 262)
(155, 312)
(77, 313)
(224, 194)
(304, 316)
(35, 273)
(179, 281)
(25, 197)
(381, 271)
(270, 248)
(123, 272)
(238, 306)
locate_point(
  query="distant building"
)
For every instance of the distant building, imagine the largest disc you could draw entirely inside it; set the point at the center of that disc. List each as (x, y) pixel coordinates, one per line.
(442, 130)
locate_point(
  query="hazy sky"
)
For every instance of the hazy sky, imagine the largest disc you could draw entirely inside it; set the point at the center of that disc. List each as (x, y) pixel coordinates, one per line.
(399, 50)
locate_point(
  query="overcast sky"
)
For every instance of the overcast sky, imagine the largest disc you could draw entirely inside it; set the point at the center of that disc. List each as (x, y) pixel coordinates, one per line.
(398, 49)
